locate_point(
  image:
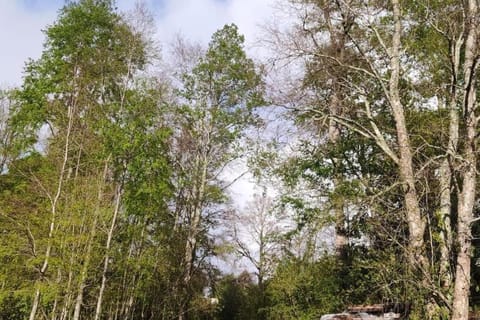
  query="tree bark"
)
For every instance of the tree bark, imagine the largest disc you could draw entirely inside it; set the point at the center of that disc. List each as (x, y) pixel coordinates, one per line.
(341, 238)
(337, 42)
(445, 172)
(466, 199)
(416, 224)
(36, 301)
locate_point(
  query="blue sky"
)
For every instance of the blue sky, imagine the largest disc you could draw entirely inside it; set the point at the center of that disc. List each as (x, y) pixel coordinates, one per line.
(37, 7)
(21, 22)
(54, 5)
(41, 4)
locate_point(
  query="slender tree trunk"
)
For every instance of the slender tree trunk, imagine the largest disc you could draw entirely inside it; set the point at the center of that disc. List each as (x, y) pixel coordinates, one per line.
(118, 196)
(195, 222)
(129, 286)
(67, 297)
(129, 305)
(68, 294)
(36, 300)
(54, 309)
(445, 225)
(88, 255)
(83, 274)
(466, 199)
(127, 289)
(416, 224)
(58, 281)
(337, 42)
(191, 244)
(445, 172)
(54, 202)
(341, 239)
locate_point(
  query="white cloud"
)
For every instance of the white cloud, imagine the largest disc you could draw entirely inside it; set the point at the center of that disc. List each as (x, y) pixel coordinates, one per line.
(198, 19)
(21, 38)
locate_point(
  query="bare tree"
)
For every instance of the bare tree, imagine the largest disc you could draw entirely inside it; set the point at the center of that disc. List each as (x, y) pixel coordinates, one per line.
(256, 231)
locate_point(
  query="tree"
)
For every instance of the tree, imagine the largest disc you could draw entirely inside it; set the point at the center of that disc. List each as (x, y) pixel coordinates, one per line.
(255, 234)
(256, 230)
(466, 201)
(238, 298)
(383, 96)
(217, 101)
(82, 82)
(5, 132)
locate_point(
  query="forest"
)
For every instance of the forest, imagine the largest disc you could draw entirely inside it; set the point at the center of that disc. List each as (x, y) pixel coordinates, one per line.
(358, 131)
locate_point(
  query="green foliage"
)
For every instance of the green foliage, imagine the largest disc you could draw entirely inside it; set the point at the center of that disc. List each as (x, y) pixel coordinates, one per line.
(106, 143)
(22, 221)
(239, 298)
(13, 307)
(88, 53)
(305, 290)
(216, 104)
(222, 89)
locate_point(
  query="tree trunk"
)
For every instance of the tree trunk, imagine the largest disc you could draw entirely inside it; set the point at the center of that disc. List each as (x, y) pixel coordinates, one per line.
(191, 244)
(67, 297)
(36, 301)
(118, 196)
(58, 281)
(337, 42)
(88, 255)
(54, 202)
(416, 224)
(129, 305)
(68, 293)
(445, 172)
(341, 239)
(466, 199)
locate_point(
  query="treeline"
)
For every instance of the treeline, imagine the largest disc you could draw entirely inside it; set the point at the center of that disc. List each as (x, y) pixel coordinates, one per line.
(115, 176)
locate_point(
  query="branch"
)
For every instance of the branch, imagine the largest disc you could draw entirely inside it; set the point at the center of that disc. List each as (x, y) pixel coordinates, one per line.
(380, 140)
(234, 180)
(377, 136)
(374, 72)
(380, 40)
(349, 66)
(31, 239)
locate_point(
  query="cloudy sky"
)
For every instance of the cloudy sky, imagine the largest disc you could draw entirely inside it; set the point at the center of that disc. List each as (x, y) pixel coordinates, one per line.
(21, 22)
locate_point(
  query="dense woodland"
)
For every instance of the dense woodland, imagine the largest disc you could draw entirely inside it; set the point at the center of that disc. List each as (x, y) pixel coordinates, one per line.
(360, 130)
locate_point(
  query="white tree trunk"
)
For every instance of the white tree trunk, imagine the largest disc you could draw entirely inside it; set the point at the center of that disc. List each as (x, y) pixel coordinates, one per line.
(88, 255)
(195, 221)
(466, 199)
(416, 224)
(54, 202)
(118, 196)
(445, 172)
